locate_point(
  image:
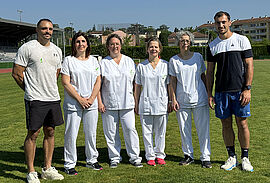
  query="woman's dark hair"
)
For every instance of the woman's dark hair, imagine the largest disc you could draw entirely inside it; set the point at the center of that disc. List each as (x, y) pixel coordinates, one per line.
(73, 48)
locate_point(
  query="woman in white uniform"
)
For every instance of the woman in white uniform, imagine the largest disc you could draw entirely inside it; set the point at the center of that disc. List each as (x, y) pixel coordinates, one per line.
(116, 103)
(189, 96)
(152, 102)
(81, 81)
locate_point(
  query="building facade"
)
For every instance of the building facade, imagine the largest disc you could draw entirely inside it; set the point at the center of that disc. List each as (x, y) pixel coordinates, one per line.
(255, 28)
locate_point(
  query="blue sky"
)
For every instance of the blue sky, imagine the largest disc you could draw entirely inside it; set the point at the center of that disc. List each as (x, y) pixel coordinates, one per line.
(174, 13)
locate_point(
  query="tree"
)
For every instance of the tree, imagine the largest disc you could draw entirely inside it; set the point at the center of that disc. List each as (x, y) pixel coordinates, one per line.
(163, 37)
(163, 27)
(127, 40)
(150, 31)
(136, 29)
(123, 29)
(94, 28)
(176, 29)
(106, 32)
(190, 29)
(68, 34)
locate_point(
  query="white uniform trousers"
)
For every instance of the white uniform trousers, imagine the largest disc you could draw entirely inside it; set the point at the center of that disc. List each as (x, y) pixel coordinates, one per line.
(72, 124)
(110, 120)
(201, 119)
(154, 124)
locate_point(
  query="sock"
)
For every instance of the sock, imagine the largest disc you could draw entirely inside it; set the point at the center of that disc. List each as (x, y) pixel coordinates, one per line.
(231, 150)
(244, 152)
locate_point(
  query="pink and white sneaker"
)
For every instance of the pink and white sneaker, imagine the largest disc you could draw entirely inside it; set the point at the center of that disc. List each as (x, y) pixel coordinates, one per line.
(151, 162)
(160, 161)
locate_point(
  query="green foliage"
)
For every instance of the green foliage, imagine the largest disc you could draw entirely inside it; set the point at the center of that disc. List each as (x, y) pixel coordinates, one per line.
(134, 51)
(127, 40)
(163, 37)
(260, 51)
(13, 132)
(190, 29)
(139, 52)
(99, 50)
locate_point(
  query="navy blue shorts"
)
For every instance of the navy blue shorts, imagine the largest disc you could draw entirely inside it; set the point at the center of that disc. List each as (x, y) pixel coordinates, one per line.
(228, 103)
(39, 113)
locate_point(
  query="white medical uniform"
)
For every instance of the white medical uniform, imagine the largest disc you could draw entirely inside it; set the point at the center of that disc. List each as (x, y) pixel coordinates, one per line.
(117, 97)
(153, 106)
(192, 97)
(83, 75)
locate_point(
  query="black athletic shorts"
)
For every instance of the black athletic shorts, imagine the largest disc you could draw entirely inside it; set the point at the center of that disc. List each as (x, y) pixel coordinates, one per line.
(39, 113)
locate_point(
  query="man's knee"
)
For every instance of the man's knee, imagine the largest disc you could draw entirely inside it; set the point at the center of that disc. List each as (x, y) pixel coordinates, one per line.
(32, 134)
(48, 131)
(242, 123)
(227, 123)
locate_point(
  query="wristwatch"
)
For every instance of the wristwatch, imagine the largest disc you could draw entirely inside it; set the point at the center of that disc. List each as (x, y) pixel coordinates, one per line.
(248, 87)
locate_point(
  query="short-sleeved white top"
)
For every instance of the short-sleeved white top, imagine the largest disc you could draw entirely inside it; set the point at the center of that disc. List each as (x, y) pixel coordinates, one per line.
(83, 75)
(117, 83)
(41, 64)
(190, 89)
(154, 95)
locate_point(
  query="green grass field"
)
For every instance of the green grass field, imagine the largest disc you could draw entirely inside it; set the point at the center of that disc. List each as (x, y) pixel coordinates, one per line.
(13, 132)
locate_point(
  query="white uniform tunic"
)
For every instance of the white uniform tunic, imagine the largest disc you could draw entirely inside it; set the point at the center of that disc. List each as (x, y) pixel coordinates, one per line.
(83, 75)
(190, 90)
(154, 96)
(192, 98)
(117, 86)
(117, 97)
(153, 106)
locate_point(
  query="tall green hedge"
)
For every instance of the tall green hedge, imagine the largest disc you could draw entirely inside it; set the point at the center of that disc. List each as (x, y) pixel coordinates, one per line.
(139, 52)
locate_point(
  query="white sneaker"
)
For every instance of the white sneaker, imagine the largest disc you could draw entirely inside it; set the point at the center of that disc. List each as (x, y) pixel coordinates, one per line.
(51, 174)
(246, 165)
(32, 177)
(230, 163)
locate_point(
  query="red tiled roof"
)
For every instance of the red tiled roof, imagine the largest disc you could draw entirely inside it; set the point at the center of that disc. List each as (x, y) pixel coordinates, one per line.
(172, 36)
(252, 20)
(199, 35)
(237, 22)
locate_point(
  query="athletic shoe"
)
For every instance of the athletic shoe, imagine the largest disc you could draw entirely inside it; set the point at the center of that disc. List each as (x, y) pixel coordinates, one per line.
(151, 162)
(51, 174)
(230, 163)
(71, 171)
(161, 161)
(113, 165)
(186, 161)
(246, 165)
(94, 166)
(137, 164)
(206, 164)
(32, 177)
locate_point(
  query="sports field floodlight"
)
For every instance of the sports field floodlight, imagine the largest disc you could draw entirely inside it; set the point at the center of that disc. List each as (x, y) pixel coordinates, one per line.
(71, 24)
(20, 14)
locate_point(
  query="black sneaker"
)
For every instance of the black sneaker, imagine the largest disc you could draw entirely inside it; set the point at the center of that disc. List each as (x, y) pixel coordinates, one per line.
(71, 171)
(113, 165)
(186, 161)
(94, 166)
(206, 164)
(137, 164)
